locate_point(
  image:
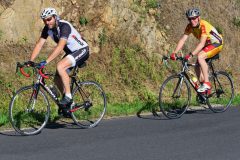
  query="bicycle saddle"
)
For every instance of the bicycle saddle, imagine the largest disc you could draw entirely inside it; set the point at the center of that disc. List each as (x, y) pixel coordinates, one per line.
(82, 65)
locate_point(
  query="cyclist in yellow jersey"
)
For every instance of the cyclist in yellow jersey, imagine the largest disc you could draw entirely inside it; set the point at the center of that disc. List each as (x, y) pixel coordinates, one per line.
(210, 44)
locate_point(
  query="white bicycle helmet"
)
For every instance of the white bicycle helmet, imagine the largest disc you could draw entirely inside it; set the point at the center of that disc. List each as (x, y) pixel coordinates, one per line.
(194, 12)
(47, 12)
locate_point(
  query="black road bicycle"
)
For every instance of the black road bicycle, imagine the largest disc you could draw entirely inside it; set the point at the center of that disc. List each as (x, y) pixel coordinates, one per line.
(175, 92)
(29, 109)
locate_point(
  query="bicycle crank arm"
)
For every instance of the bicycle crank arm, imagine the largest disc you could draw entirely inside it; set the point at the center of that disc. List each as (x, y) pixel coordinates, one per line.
(76, 107)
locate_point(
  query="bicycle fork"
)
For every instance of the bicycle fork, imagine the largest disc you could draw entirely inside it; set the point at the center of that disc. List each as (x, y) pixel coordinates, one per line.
(177, 90)
(33, 98)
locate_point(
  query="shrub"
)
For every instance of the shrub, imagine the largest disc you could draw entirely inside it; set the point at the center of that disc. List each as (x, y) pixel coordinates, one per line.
(83, 21)
(236, 21)
(152, 3)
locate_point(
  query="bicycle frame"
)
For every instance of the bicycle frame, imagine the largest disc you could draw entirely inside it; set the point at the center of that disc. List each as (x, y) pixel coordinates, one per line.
(218, 99)
(215, 79)
(87, 112)
(40, 83)
(184, 73)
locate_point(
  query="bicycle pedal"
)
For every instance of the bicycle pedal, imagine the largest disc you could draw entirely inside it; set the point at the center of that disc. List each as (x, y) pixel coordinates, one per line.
(64, 112)
(200, 99)
(87, 105)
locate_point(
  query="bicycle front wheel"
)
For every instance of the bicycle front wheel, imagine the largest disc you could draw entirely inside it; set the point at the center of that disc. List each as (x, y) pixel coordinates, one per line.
(29, 111)
(174, 96)
(222, 92)
(90, 104)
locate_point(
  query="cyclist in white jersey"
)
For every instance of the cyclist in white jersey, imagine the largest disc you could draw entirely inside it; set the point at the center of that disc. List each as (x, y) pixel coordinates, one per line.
(67, 39)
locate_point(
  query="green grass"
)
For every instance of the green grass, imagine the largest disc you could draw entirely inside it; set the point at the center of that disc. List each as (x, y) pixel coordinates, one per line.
(133, 108)
(3, 119)
(236, 100)
(118, 109)
(113, 110)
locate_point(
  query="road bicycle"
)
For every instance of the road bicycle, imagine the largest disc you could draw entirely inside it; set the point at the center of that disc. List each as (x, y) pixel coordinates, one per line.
(175, 92)
(29, 109)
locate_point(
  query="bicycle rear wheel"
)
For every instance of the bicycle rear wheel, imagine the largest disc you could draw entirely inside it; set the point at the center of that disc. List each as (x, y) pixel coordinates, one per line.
(222, 92)
(90, 104)
(174, 96)
(29, 111)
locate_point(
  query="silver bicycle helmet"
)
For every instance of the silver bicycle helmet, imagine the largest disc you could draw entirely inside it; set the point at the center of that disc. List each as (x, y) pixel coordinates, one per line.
(194, 12)
(47, 12)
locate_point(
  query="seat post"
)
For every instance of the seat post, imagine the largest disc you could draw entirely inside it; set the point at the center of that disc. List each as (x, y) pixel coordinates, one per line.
(75, 70)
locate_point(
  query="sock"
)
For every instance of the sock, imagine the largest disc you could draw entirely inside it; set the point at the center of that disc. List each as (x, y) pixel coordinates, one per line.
(69, 95)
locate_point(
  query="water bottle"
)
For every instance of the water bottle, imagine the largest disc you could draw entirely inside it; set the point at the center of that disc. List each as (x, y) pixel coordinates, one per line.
(194, 79)
(54, 90)
(195, 82)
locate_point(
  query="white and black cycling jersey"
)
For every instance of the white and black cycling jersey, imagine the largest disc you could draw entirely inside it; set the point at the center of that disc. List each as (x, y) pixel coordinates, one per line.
(67, 31)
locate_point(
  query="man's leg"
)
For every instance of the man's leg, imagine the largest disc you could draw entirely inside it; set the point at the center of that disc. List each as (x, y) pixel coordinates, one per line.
(206, 85)
(204, 67)
(199, 73)
(58, 82)
(62, 67)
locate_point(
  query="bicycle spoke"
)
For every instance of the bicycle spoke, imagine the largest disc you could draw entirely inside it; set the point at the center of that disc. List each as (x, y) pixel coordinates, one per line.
(93, 104)
(222, 92)
(28, 115)
(174, 97)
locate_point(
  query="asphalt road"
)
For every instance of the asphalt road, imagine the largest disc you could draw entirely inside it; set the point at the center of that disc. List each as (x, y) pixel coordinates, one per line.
(201, 135)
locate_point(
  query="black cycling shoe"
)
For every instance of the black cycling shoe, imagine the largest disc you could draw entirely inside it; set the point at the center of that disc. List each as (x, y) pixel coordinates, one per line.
(66, 101)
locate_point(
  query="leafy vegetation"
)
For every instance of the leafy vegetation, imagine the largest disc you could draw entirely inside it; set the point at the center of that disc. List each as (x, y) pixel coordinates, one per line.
(152, 4)
(236, 21)
(102, 37)
(83, 21)
(143, 7)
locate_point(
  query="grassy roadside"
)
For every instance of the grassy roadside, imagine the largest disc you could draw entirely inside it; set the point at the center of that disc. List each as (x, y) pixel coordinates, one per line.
(113, 110)
(130, 77)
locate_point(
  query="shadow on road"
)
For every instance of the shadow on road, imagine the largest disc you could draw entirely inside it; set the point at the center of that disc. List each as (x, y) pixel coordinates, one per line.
(9, 133)
(156, 114)
(153, 109)
(62, 123)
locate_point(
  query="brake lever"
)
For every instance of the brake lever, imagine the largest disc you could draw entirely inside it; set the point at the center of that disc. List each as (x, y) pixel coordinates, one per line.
(17, 67)
(165, 60)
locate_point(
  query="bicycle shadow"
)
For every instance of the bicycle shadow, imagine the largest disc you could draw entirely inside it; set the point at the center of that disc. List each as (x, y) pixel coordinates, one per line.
(198, 110)
(65, 123)
(7, 131)
(10, 133)
(56, 124)
(151, 111)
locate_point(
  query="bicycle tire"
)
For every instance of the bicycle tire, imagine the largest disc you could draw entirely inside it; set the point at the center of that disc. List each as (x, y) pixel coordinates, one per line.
(29, 115)
(93, 104)
(222, 92)
(173, 106)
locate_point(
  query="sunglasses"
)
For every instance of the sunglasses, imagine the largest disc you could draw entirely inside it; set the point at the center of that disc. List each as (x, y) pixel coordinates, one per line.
(193, 18)
(47, 19)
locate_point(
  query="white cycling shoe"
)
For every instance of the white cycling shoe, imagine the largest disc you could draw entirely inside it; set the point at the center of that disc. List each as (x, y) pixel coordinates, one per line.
(204, 87)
